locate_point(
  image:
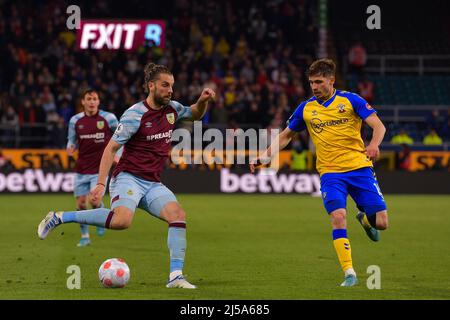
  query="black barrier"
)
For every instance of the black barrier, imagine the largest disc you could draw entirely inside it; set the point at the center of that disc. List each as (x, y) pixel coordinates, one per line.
(286, 182)
(232, 181)
(420, 182)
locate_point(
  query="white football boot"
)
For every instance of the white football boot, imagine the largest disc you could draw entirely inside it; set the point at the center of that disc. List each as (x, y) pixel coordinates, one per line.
(51, 221)
(180, 282)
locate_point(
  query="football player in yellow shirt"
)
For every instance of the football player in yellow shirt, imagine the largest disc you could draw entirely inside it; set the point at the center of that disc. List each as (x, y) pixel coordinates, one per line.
(333, 119)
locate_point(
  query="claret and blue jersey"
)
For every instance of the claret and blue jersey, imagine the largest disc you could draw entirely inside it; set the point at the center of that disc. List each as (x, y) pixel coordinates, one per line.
(90, 135)
(146, 136)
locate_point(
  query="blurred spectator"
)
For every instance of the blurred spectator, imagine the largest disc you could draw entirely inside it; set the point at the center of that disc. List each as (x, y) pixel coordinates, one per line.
(223, 47)
(433, 119)
(48, 100)
(27, 119)
(5, 162)
(237, 109)
(404, 158)
(357, 58)
(402, 138)
(59, 134)
(9, 121)
(299, 155)
(27, 113)
(253, 114)
(218, 112)
(445, 131)
(258, 29)
(432, 139)
(66, 110)
(277, 122)
(208, 44)
(366, 89)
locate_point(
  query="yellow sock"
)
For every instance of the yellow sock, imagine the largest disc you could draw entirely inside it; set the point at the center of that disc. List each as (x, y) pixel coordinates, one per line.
(343, 249)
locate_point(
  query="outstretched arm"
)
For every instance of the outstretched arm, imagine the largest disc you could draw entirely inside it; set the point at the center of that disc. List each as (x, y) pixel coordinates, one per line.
(280, 142)
(200, 107)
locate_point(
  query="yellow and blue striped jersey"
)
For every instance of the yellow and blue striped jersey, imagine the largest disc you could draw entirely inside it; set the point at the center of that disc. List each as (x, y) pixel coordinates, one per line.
(335, 129)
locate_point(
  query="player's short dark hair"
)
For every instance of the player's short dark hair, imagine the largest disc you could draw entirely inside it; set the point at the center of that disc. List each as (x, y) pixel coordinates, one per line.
(152, 71)
(322, 67)
(89, 91)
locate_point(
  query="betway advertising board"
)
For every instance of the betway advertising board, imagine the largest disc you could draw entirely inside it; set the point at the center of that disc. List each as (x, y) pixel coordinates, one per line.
(269, 182)
(229, 182)
(36, 181)
(224, 181)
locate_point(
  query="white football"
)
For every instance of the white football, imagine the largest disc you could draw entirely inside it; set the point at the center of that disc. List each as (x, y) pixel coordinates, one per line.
(114, 273)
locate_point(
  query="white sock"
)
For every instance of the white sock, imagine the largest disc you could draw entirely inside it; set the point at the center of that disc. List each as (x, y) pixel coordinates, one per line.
(175, 274)
(350, 271)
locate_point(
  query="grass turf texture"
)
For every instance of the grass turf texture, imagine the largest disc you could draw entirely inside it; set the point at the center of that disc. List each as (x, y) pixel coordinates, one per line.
(239, 247)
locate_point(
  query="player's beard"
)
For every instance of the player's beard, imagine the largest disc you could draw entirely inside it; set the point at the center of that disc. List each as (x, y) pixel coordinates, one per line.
(160, 100)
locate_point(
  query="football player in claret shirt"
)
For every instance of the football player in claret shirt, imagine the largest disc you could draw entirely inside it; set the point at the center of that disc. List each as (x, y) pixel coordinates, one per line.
(333, 119)
(145, 131)
(89, 132)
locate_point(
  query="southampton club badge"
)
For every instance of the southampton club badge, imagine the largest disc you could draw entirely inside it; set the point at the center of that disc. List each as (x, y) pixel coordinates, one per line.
(341, 108)
(100, 124)
(170, 118)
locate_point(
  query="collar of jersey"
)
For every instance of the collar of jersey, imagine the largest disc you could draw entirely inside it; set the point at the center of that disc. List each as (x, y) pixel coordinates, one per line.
(94, 115)
(327, 102)
(150, 108)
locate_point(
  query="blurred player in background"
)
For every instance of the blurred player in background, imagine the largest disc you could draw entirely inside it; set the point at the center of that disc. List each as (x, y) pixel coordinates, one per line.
(333, 118)
(89, 132)
(145, 131)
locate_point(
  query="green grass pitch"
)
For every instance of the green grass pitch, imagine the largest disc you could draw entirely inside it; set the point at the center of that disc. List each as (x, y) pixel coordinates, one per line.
(239, 247)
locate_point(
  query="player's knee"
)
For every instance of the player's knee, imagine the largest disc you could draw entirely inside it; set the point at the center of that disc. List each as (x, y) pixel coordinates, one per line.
(173, 212)
(121, 219)
(382, 220)
(120, 223)
(338, 219)
(177, 215)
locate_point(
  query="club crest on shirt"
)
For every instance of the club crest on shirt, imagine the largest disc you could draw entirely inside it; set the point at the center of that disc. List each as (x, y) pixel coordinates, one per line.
(119, 128)
(341, 108)
(100, 124)
(170, 118)
(314, 113)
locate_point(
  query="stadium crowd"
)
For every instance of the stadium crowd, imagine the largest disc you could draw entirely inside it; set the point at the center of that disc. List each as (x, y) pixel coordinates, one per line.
(253, 54)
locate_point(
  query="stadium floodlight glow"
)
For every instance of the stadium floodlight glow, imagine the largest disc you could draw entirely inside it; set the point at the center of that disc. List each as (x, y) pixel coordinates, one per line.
(120, 34)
